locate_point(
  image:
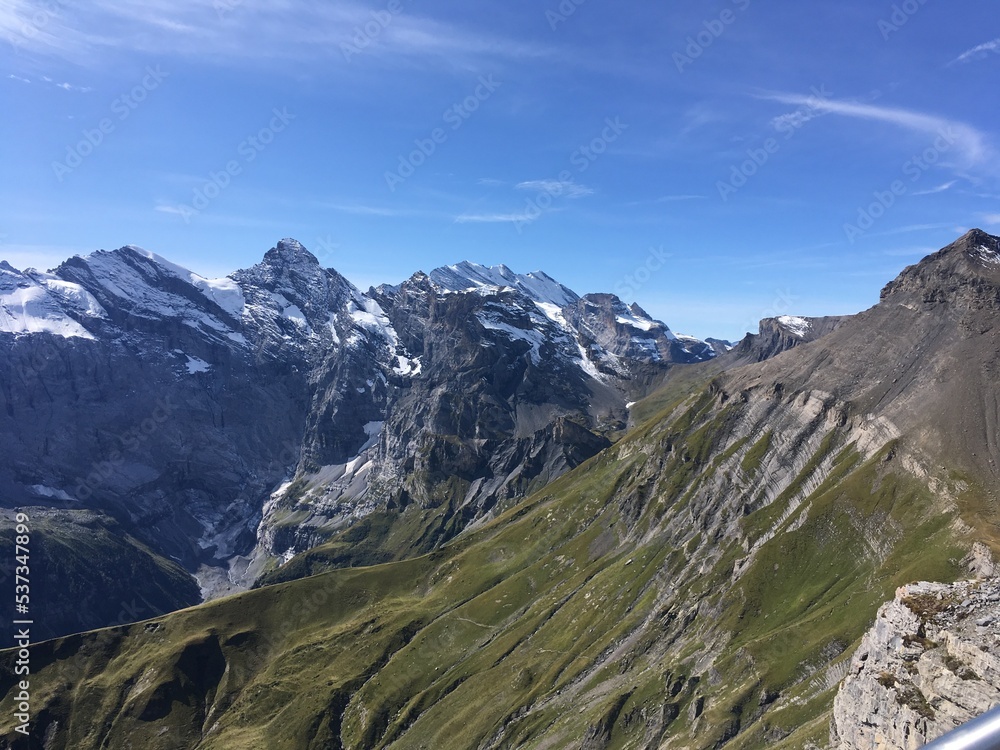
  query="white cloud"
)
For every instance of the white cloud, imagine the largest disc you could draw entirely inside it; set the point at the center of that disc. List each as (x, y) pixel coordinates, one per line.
(967, 141)
(667, 199)
(556, 188)
(165, 208)
(794, 120)
(673, 198)
(360, 210)
(939, 189)
(498, 218)
(978, 52)
(247, 31)
(990, 219)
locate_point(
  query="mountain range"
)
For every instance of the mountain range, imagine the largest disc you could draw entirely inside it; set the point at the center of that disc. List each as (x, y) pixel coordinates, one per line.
(201, 432)
(480, 511)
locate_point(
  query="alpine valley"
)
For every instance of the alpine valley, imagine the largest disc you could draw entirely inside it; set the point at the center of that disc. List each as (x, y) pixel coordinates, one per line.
(477, 510)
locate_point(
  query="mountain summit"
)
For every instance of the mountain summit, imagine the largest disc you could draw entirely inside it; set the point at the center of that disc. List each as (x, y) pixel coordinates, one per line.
(705, 580)
(962, 276)
(230, 424)
(538, 287)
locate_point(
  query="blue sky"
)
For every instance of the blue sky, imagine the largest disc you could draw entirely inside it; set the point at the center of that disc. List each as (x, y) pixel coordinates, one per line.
(718, 162)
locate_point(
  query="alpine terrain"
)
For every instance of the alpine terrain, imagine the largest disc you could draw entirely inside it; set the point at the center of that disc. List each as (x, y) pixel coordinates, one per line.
(196, 433)
(480, 511)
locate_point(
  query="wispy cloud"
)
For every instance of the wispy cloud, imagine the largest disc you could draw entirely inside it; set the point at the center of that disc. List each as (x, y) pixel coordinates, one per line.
(795, 120)
(990, 219)
(969, 142)
(557, 188)
(667, 199)
(371, 210)
(498, 218)
(490, 182)
(292, 30)
(13, 77)
(978, 53)
(910, 228)
(673, 198)
(246, 221)
(939, 189)
(389, 212)
(166, 208)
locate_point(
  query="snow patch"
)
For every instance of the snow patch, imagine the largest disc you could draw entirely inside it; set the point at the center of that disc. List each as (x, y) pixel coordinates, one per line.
(530, 335)
(29, 308)
(986, 256)
(796, 326)
(73, 295)
(224, 292)
(407, 367)
(195, 365)
(289, 310)
(473, 277)
(634, 322)
(332, 323)
(49, 492)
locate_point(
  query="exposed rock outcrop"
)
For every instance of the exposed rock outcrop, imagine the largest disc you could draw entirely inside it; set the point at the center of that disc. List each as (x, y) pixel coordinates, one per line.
(228, 424)
(929, 664)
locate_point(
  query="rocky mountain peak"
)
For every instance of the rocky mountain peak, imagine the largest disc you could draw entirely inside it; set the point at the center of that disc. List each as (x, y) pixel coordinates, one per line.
(537, 286)
(638, 311)
(963, 274)
(290, 253)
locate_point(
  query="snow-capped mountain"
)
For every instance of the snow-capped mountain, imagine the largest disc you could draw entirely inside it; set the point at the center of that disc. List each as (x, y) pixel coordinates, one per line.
(470, 277)
(228, 424)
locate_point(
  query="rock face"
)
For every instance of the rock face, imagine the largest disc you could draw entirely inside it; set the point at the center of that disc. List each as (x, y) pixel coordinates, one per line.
(503, 382)
(696, 585)
(930, 663)
(228, 424)
(780, 334)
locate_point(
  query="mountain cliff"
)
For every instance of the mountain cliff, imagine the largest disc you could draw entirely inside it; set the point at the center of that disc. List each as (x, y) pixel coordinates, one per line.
(704, 582)
(229, 424)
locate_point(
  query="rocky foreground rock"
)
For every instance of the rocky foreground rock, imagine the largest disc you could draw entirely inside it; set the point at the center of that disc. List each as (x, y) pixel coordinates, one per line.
(929, 664)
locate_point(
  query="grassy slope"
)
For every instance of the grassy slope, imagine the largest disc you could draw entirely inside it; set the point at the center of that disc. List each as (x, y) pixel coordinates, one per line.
(64, 543)
(593, 611)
